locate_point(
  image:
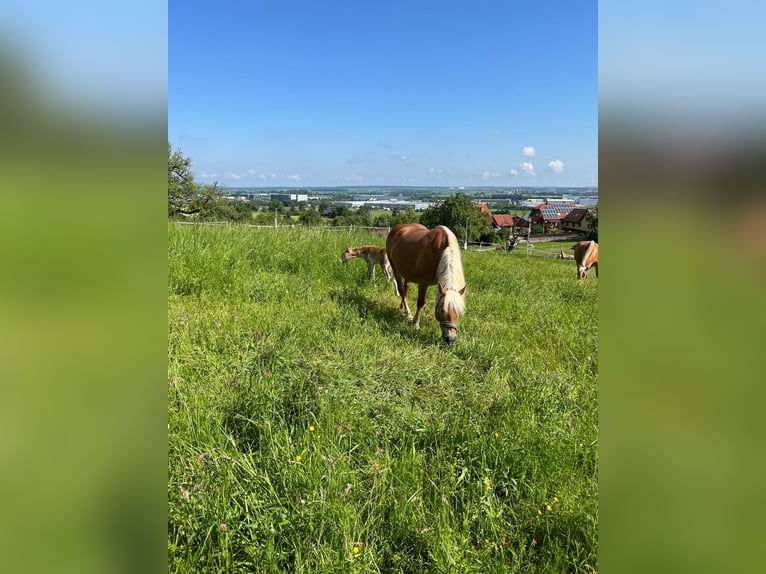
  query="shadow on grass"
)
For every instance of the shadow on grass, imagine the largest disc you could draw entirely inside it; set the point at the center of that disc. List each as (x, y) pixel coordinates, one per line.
(389, 319)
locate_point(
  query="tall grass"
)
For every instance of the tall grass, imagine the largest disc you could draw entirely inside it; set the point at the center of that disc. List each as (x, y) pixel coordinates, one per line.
(312, 429)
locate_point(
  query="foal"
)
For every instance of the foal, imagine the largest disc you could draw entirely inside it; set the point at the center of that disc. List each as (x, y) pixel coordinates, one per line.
(373, 256)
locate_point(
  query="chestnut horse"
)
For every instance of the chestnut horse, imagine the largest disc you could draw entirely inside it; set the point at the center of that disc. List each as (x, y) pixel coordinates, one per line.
(427, 258)
(586, 256)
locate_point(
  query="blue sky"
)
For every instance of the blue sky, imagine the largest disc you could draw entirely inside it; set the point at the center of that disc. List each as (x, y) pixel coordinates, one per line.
(305, 93)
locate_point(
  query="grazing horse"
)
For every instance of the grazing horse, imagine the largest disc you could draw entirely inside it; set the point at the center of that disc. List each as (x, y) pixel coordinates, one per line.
(586, 256)
(373, 256)
(426, 257)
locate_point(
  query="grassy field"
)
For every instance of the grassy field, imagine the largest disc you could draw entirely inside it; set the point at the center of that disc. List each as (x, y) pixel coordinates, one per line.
(311, 429)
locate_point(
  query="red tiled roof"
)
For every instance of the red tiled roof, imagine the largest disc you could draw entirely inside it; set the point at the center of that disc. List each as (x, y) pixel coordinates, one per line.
(502, 220)
(484, 209)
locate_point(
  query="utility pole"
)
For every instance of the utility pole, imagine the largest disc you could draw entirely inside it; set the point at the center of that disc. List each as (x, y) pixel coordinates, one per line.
(465, 242)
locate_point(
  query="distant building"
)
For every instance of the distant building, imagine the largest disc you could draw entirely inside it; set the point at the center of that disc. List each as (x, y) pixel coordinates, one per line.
(502, 222)
(386, 204)
(551, 214)
(579, 219)
(288, 197)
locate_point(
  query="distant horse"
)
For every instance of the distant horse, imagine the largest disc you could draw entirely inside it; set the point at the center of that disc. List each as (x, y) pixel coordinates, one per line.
(586, 256)
(426, 257)
(373, 256)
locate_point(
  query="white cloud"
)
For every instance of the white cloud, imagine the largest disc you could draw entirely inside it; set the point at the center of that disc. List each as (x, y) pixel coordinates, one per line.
(233, 176)
(489, 174)
(556, 166)
(496, 132)
(527, 168)
(513, 172)
(293, 176)
(353, 177)
(403, 157)
(528, 151)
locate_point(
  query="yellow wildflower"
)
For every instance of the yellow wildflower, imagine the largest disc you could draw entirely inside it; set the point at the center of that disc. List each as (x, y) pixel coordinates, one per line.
(356, 550)
(298, 458)
(311, 428)
(548, 507)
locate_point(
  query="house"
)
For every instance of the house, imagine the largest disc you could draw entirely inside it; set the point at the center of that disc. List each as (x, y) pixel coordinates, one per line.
(551, 214)
(579, 219)
(519, 222)
(502, 222)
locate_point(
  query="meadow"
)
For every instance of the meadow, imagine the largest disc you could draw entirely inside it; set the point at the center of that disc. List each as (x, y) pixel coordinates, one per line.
(312, 429)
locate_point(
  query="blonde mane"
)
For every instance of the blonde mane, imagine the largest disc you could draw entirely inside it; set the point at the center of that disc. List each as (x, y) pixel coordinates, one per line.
(449, 274)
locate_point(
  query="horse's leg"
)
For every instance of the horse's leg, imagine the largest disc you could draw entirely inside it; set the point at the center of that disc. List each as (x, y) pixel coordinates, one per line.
(398, 280)
(371, 270)
(421, 302)
(389, 273)
(397, 288)
(403, 290)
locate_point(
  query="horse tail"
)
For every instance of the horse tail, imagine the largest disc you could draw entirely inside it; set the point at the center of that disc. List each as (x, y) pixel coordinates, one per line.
(389, 272)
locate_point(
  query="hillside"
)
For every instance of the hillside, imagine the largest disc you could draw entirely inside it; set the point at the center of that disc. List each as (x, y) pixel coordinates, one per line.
(312, 429)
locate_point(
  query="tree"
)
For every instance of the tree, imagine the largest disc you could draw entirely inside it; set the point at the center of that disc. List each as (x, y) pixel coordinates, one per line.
(310, 217)
(277, 206)
(382, 219)
(339, 211)
(185, 196)
(364, 214)
(593, 234)
(408, 215)
(454, 212)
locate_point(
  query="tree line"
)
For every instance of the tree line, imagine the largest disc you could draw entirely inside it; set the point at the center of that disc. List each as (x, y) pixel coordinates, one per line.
(190, 200)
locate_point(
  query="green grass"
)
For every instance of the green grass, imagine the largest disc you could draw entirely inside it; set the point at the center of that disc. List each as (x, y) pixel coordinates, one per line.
(327, 435)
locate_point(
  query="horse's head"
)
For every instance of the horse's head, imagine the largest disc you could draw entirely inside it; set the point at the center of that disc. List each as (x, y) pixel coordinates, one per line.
(582, 272)
(349, 253)
(449, 305)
